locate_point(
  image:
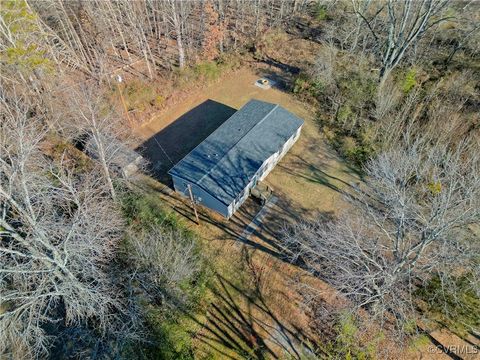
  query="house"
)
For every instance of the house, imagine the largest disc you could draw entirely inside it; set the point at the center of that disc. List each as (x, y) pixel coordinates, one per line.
(223, 168)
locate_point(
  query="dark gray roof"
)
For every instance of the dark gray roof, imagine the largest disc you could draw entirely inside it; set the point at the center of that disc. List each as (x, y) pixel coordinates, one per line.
(225, 162)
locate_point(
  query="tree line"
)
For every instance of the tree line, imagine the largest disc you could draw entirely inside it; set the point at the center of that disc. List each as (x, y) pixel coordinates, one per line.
(96, 37)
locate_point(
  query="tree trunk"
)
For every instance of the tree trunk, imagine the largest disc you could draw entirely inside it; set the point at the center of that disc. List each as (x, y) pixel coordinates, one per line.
(178, 32)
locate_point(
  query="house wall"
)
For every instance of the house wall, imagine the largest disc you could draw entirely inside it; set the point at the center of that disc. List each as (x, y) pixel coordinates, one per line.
(201, 196)
(273, 160)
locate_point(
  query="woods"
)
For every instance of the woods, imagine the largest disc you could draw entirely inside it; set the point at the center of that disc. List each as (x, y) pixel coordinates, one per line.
(96, 37)
(59, 231)
(98, 260)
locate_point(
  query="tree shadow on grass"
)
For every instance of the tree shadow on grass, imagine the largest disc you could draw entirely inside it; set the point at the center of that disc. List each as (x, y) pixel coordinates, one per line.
(316, 175)
(240, 324)
(291, 70)
(171, 144)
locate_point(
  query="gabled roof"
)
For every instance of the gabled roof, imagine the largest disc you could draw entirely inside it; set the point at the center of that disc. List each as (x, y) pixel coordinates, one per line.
(225, 162)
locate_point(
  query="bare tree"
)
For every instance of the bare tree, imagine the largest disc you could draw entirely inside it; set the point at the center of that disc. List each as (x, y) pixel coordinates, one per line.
(403, 25)
(99, 36)
(101, 131)
(174, 15)
(387, 98)
(410, 224)
(161, 261)
(58, 233)
(324, 68)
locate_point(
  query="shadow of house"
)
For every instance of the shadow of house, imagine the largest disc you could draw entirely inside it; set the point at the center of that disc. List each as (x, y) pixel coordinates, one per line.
(171, 144)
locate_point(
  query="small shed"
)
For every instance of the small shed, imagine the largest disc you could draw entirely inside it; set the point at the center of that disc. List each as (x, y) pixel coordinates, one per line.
(222, 169)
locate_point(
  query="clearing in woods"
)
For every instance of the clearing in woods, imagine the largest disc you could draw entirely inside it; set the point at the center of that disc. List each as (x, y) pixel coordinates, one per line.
(253, 309)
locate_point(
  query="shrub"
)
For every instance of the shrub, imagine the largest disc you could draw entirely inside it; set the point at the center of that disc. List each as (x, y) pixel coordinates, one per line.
(354, 149)
(139, 95)
(349, 342)
(459, 306)
(208, 70)
(145, 210)
(300, 85)
(387, 98)
(349, 145)
(321, 12)
(304, 85)
(329, 133)
(344, 113)
(229, 61)
(358, 88)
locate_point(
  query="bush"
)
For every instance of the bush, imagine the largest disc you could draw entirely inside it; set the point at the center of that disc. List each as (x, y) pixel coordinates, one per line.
(349, 146)
(321, 12)
(349, 342)
(144, 210)
(139, 95)
(352, 148)
(344, 113)
(358, 88)
(229, 61)
(329, 133)
(207, 71)
(306, 86)
(300, 85)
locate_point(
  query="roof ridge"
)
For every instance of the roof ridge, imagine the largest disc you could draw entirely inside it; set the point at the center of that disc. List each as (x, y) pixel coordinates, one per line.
(235, 144)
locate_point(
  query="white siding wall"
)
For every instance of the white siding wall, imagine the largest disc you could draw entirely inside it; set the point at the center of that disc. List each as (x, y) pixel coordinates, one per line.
(264, 170)
(270, 163)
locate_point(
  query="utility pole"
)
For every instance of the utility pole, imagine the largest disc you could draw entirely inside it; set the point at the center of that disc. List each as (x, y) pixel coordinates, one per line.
(119, 80)
(193, 203)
